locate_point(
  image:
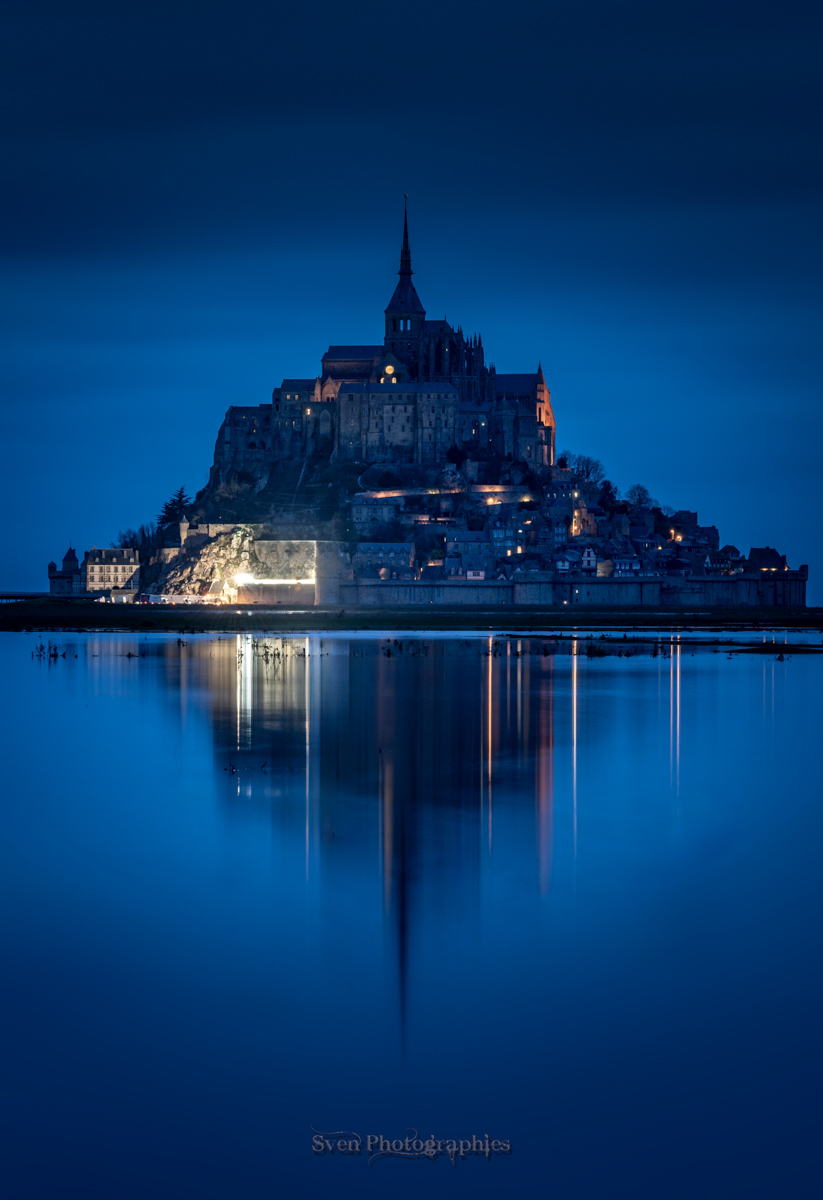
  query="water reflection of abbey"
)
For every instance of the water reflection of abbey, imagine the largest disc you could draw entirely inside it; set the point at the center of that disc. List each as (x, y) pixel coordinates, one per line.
(402, 767)
(392, 732)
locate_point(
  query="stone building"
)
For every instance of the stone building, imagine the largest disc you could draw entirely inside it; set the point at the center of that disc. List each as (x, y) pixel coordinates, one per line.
(389, 559)
(66, 582)
(112, 570)
(426, 387)
(408, 422)
(102, 572)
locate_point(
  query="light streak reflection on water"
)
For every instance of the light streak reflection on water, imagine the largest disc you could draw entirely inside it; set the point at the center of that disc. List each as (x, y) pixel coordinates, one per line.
(478, 858)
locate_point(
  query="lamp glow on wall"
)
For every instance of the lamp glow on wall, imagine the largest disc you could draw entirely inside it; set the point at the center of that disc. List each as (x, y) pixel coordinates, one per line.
(242, 579)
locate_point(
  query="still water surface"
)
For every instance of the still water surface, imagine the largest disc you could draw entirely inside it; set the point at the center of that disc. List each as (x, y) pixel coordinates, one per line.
(467, 886)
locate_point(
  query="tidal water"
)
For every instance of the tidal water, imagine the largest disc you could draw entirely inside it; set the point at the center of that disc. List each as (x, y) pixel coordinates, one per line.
(258, 887)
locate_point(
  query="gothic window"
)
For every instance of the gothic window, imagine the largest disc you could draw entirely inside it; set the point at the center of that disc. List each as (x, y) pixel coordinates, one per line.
(252, 445)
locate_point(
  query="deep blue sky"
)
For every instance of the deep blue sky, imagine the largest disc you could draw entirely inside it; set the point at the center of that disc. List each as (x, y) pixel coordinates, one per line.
(199, 198)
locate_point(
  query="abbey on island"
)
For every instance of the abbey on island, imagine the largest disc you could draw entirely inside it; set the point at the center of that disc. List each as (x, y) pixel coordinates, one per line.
(425, 477)
(425, 389)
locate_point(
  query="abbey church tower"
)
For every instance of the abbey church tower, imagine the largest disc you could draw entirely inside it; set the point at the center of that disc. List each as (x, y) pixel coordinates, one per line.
(405, 315)
(425, 389)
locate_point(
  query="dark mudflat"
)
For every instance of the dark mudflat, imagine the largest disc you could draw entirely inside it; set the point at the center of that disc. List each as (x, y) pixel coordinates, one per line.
(77, 615)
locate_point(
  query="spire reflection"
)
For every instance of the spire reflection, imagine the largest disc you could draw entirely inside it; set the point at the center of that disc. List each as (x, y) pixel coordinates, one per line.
(357, 751)
(544, 764)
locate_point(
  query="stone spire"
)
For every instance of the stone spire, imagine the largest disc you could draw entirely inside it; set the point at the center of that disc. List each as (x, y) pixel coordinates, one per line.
(405, 302)
(405, 251)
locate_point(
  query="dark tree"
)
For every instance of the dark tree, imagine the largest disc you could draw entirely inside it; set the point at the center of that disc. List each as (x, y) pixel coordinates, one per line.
(428, 545)
(126, 539)
(608, 495)
(328, 505)
(388, 479)
(385, 531)
(344, 529)
(142, 539)
(456, 455)
(590, 468)
(639, 496)
(174, 509)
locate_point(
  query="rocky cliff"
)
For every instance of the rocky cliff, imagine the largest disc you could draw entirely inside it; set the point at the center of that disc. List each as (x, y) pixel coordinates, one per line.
(223, 563)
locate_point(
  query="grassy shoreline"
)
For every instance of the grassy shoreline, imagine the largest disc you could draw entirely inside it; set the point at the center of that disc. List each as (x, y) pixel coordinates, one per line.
(51, 616)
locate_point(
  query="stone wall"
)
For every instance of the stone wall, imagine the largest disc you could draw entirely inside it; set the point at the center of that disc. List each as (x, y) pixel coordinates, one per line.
(742, 591)
(251, 550)
(295, 595)
(277, 559)
(380, 593)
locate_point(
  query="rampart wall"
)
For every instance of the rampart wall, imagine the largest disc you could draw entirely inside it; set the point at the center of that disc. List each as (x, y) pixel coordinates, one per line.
(743, 591)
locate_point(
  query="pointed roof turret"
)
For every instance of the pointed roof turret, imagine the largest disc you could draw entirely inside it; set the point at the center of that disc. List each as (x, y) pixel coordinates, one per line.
(405, 298)
(405, 249)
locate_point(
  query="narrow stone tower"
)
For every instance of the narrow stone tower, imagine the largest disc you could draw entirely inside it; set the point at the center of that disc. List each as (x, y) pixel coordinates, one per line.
(405, 314)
